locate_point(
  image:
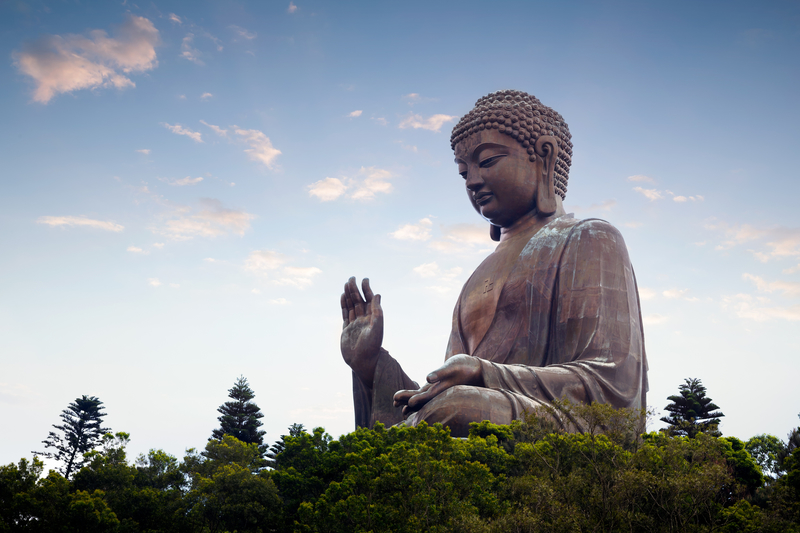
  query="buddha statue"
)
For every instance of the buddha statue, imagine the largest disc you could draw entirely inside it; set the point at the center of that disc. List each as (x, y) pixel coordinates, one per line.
(552, 314)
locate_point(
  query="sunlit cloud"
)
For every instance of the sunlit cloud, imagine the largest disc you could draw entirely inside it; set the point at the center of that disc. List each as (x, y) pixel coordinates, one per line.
(80, 221)
(421, 231)
(145, 151)
(682, 294)
(158, 245)
(653, 319)
(327, 189)
(137, 250)
(759, 309)
(650, 194)
(261, 149)
(59, 64)
(272, 265)
(210, 220)
(206, 96)
(364, 185)
(646, 293)
(177, 129)
(432, 123)
(380, 120)
(356, 113)
(292, 8)
(243, 33)
(216, 129)
(463, 238)
(279, 301)
(175, 18)
(154, 282)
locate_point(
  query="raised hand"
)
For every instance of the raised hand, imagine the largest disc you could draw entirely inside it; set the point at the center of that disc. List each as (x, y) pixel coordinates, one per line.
(362, 331)
(461, 369)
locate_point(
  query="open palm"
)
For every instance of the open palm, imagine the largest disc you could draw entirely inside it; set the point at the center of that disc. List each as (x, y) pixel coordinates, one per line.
(362, 331)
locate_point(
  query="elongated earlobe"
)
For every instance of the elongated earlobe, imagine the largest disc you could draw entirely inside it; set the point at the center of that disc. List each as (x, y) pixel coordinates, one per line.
(494, 232)
(546, 148)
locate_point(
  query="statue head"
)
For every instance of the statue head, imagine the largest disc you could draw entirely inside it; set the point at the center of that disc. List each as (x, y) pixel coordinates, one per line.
(516, 124)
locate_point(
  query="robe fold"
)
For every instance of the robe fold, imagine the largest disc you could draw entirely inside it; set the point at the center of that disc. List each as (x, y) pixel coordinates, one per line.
(567, 326)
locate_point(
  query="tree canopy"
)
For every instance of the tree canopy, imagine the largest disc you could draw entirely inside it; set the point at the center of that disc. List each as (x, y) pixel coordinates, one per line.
(79, 433)
(240, 417)
(692, 412)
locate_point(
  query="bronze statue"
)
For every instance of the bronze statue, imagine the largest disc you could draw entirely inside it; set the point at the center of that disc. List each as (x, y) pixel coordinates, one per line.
(553, 313)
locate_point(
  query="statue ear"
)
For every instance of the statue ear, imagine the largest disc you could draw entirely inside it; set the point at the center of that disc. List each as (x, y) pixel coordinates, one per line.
(494, 232)
(547, 148)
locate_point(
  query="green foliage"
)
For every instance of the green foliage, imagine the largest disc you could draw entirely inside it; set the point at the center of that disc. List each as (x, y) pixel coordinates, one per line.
(241, 417)
(692, 412)
(765, 450)
(79, 433)
(531, 476)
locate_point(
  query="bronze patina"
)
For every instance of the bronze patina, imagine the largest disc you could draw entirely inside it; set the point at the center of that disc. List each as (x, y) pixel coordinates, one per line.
(552, 314)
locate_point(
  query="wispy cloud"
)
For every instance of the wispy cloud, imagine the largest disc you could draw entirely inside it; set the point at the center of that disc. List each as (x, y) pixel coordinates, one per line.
(145, 151)
(446, 280)
(206, 96)
(759, 309)
(189, 52)
(80, 221)
(641, 178)
(177, 129)
(137, 250)
(655, 194)
(216, 129)
(188, 180)
(211, 219)
(261, 148)
(59, 64)
(432, 123)
(153, 282)
(243, 33)
(421, 231)
(292, 8)
(679, 294)
(646, 293)
(650, 194)
(781, 241)
(356, 113)
(788, 288)
(604, 206)
(175, 18)
(272, 265)
(364, 185)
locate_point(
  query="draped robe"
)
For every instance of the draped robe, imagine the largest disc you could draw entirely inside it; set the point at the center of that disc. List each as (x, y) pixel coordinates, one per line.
(567, 326)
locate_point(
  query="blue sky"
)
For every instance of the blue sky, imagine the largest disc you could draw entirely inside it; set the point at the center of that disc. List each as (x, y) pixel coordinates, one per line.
(187, 186)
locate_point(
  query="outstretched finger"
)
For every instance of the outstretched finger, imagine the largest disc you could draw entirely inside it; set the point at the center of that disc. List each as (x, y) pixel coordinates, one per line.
(368, 294)
(351, 310)
(345, 312)
(355, 296)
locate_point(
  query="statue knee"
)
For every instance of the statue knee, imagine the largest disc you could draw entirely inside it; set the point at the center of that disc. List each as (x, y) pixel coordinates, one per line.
(458, 406)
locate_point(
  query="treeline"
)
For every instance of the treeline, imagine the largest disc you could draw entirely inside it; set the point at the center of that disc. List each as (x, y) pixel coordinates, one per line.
(527, 477)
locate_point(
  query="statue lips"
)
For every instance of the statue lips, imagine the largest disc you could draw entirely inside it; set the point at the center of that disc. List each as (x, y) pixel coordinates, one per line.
(483, 197)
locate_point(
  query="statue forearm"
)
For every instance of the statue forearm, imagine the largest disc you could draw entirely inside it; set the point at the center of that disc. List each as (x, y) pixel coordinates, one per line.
(373, 400)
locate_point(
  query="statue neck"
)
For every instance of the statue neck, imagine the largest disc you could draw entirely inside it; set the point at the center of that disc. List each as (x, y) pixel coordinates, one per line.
(531, 222)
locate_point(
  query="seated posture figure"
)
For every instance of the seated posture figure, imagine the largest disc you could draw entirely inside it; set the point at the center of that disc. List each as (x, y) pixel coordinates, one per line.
(552, 313)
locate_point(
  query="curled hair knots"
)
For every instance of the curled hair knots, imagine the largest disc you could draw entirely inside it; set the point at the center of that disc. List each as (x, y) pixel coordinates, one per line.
(523, 117)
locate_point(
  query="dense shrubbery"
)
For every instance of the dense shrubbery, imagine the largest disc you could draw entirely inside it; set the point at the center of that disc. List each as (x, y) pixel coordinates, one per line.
(526, 477)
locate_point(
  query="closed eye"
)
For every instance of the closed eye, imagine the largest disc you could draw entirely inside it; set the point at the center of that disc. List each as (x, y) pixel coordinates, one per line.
(489, 161)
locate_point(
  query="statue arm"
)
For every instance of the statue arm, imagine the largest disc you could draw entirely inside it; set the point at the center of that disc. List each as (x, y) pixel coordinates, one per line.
(373, 404)
(595, 350)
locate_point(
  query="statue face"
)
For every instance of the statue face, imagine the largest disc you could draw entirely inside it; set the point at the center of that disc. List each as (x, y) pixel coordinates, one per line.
(501, 181)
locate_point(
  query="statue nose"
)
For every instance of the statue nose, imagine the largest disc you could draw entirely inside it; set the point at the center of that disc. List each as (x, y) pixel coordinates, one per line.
(474, 180)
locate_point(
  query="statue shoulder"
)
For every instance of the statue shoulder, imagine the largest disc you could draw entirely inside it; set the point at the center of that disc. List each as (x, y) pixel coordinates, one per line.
(596, 236)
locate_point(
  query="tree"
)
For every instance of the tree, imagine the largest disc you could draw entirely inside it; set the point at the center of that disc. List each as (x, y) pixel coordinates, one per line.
(295, 430)
(765, 450)
(240, 418)
(80, 433)
(692, 412)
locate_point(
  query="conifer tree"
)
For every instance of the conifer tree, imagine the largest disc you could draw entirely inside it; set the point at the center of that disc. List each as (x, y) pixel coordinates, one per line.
(240, 418)
(80, 433)
(691, 412)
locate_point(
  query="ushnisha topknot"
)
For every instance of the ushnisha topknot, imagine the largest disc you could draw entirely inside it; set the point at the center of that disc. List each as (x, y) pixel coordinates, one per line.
(525, 118)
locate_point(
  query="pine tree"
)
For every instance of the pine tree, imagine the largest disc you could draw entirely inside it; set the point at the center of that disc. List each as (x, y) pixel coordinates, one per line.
(692, 412)
(295, 430)
(80, 433)
(240, 418)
